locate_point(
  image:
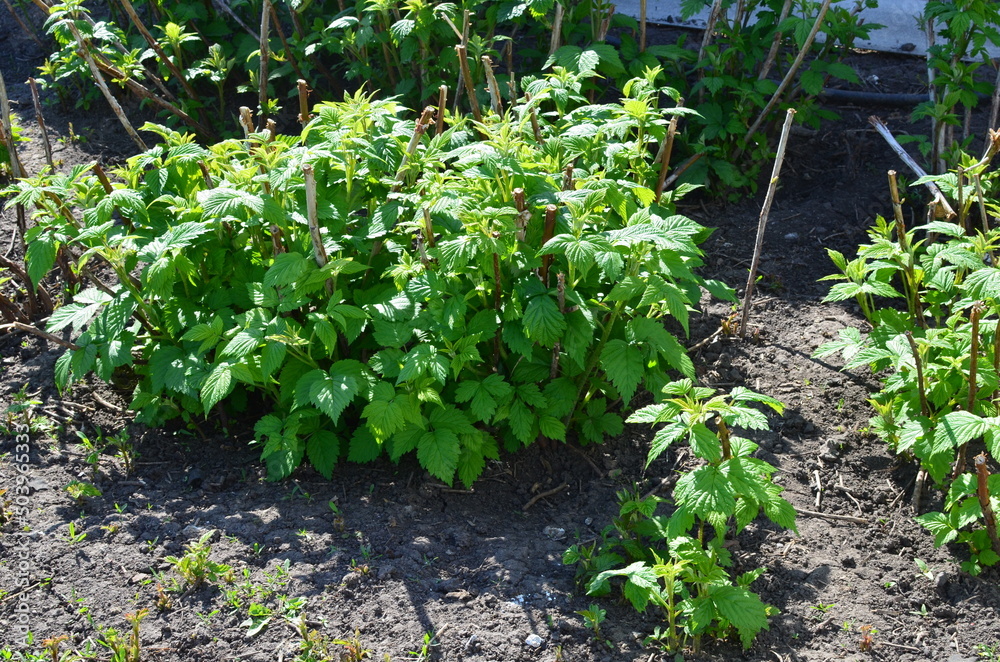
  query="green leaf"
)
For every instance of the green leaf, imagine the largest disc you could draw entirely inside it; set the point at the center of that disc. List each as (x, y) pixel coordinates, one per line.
(333, 393)
(386, 413)
(40, 257)
(243, 343)
(438, 452)
(957, 428)
(543, 323)
(323, 449)
(622, 363)
(742, 608)
(662, 440)
(705, 443)
(217, 386)
(552, 427)
(224, 202)
(940, 526)
(484, 395)
(364, 446)
(272, 357)
(286, 269)
(706, 490)
(983, 284)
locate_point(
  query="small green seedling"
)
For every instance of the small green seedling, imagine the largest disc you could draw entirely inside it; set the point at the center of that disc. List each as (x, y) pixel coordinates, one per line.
(80, 491)
(593, 617)
(195, 568)
(925, 570)
(72, 537)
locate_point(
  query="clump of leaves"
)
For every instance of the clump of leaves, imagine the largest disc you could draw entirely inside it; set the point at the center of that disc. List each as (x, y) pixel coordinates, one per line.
(939, 359)
(6, 511)
(486, 285)
(196, 568)
(81, 491)
(678, 563)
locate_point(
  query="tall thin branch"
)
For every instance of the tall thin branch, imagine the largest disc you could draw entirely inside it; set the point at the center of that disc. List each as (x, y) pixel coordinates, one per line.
(762, 224)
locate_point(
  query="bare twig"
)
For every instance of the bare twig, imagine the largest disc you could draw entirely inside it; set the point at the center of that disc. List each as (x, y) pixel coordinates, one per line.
(41, 122)
(265, 60)
(538, 497)
(775, 44)
(790, 74)
(831, 516)
(34, 330)
(939, 198)
(99, 79)
(137, 22)
(470, 89)
(983, 492)
(24, 27)
(224, 6)
(765, 210)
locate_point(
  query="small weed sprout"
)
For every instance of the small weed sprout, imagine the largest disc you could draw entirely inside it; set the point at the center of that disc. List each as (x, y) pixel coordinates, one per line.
(195, 568)
(72, 537)
(80, 491)
(593, 617)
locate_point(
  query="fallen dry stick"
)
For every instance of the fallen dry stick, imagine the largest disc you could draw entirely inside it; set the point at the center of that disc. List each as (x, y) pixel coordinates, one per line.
(538, 497)
(839, 518)
(939, 198)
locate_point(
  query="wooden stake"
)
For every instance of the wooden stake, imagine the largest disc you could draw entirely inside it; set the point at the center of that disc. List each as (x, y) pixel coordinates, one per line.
(790, 74)
(496, 101)
(939, 198)
(983, 491)
(970, 405)
(41, 122)
(304, 115)
(7, 138)
(312, 215)
(666, 151)
(265, 60)
(442, 105)
(470, 89)
(99, 79)
(642, 25)
(549, 230)
(762, 224)
(556, 29)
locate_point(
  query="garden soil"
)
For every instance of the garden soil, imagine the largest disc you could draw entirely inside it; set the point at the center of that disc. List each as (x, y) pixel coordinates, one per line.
(404, 556)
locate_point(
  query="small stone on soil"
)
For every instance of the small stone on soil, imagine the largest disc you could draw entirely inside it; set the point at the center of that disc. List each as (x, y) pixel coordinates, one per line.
(534, 641)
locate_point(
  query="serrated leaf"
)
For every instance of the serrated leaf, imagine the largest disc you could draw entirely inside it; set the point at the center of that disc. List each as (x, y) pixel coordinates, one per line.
(323, 450)
(543, 323)
(40, 257)
(286, 269)
(706, 490)
(552, 427)
(223, 201)
(662, 440)
(957, 428)
(217, 386)
(364, 446)
(438, 451)
(623, 364)
(704, 443)
(742, 608)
